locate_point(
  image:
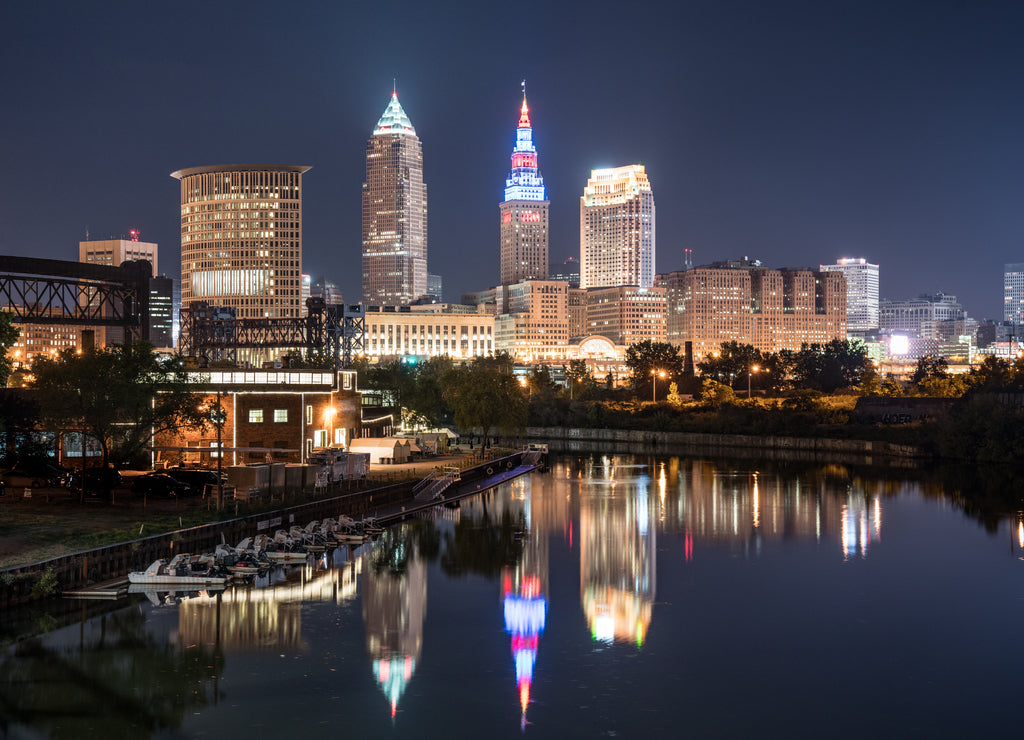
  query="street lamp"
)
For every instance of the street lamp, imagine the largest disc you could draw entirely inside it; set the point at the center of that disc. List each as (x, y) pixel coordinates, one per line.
(751, 369)
(218, 419)
(655, 374)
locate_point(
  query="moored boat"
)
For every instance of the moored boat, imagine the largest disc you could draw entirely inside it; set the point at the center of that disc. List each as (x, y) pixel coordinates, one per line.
(182, 570)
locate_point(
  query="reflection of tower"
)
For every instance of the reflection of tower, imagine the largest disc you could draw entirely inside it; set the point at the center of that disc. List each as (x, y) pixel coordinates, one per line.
(524, 591)
(617, 551)
(394, 607)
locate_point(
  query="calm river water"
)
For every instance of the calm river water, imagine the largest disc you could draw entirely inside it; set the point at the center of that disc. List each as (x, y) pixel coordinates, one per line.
(613, 596)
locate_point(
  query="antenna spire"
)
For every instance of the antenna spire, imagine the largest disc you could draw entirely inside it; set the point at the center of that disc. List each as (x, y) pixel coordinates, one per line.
(394, 86)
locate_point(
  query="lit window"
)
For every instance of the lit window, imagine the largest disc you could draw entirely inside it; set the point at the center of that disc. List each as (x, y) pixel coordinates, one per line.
(280, 415)
(255, 416)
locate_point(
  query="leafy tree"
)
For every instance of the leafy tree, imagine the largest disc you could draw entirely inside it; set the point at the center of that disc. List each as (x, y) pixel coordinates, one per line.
(424, 402)
(644, 357)
(542, 387)
(996, 374)
(580, 378)
(716, 394)
(732, 362)
(836, 364)
(121, 395)
(945, 386)
(673, 398)
(483, 395)
(929, 367)
(891, 388)
(870, 382)
(8, 336)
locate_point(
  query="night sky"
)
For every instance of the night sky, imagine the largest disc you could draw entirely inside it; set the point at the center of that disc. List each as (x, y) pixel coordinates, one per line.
(791, 132)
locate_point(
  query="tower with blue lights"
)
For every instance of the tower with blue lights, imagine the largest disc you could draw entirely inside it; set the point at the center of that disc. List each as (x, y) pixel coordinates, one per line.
(524, 211)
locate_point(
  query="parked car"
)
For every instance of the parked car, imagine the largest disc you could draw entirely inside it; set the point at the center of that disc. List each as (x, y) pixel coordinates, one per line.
(196, 478)
(34, 474)
(95, 480)
(160, 484)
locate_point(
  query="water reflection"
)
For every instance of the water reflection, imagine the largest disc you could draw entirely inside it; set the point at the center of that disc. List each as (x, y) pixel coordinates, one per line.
(599, 521)
(617, 549)
(394, 607)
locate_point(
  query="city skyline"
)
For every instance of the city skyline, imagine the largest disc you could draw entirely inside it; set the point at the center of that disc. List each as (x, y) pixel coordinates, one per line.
(795, 134)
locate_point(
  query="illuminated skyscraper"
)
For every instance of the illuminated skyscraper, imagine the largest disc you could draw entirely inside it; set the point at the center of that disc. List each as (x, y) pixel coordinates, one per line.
(241, 241)
(524, 212)
(241, 238)
(617, 229)
(1013, 292)
(394, 212)
(861, 292)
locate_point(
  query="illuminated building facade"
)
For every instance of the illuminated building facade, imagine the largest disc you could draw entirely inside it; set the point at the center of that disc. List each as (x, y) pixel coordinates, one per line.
(626, 314)
(617, 229)
(741, 301)
(241, 241)
(295, 410)
(1013, 293)
(394, 212)
(535, 327)
(861, 292)
(524, 212)
(161, 312)
(42, 340)
(400, 331)
(922, 317)
(114, 253)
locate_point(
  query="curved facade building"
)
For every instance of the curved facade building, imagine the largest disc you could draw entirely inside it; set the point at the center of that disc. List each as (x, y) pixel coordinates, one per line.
(241, 238)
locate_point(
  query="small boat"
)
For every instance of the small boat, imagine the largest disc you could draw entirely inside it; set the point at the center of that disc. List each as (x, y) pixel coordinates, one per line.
(182, 570)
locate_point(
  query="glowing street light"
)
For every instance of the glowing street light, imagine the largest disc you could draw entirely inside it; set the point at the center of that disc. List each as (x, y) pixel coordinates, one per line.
(329, 413)
(750, 370)
(655, 374)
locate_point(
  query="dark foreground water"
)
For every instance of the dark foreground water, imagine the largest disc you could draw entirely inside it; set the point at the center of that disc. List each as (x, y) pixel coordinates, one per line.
(616, 596)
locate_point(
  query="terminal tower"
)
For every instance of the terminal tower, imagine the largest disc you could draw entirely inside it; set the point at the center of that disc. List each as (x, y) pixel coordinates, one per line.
(524, 211)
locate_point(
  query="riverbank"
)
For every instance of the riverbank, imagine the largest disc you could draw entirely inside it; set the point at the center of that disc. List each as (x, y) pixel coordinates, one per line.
(767, 446)
(77, 568)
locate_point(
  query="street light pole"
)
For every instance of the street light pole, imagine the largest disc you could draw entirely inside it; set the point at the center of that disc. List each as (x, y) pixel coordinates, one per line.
(750, 369)
(655, 374)
(220, 454)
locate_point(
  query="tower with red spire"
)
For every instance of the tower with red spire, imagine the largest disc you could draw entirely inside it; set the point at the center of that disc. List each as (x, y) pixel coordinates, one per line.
(524, 211)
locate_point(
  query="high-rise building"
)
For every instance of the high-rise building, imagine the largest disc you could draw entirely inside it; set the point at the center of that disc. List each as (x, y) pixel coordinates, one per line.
(394, 212)
(617, 229)
(161, 312)
(435, 286)
(741, 301)
(241, 241)
(568, 271)
(114, 253)
(929, 316)
(861, 292)
(524, 212)
(535, 327)
(626, 314)
(1013, 293)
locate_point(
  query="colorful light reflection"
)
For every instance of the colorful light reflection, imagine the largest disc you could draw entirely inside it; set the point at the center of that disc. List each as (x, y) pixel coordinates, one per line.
(525, 614)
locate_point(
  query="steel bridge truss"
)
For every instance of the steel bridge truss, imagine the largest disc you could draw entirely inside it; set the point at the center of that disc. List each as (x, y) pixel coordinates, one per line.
(43, 291)
(215, 333)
